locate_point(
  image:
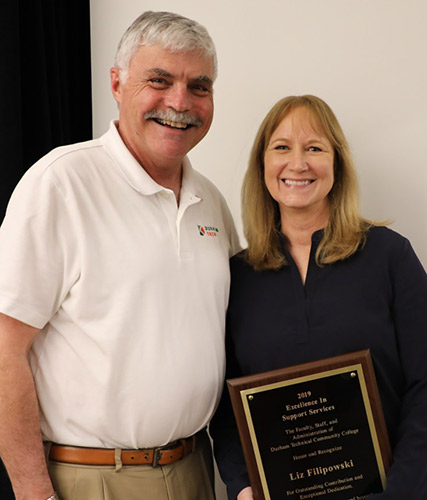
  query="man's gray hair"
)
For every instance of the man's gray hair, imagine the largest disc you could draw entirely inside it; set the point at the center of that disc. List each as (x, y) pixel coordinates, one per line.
(171, 31)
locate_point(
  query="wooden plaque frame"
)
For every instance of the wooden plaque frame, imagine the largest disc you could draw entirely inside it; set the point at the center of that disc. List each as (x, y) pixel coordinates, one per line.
(245, 391)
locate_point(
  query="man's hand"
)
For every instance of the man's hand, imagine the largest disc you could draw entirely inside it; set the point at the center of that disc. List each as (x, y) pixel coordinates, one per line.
(246, 494)
(21, 446)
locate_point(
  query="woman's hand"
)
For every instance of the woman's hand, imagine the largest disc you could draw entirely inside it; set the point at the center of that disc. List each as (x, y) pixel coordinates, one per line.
(246, 494)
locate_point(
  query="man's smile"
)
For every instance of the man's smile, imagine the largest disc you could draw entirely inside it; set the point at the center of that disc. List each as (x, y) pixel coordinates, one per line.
(172, 124)
(173, 119)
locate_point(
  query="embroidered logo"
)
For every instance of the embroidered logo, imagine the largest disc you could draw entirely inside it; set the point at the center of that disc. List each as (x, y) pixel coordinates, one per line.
(208, 231)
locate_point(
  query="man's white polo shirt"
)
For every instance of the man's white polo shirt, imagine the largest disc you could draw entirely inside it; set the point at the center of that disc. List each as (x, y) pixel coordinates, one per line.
(130, 292)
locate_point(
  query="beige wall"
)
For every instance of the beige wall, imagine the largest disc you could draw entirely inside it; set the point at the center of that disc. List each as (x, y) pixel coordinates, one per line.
(366, 58)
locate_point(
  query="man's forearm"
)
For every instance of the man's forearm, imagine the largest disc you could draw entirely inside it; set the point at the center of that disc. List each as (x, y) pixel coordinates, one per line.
(21, 446)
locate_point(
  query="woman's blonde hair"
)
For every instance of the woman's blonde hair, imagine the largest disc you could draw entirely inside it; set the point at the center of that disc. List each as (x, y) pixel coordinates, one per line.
(346, 229)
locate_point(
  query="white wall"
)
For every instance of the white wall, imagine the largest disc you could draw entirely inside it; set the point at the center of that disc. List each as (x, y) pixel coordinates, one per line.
(366, 58)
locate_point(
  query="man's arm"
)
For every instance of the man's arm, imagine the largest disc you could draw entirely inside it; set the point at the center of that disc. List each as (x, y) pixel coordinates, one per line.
(21, 446)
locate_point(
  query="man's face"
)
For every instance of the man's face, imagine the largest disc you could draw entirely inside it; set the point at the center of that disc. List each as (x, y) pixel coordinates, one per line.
(163, 92)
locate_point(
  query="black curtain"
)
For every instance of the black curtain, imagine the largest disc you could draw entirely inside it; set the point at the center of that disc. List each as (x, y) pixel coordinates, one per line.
(45, 85)
(45, 82)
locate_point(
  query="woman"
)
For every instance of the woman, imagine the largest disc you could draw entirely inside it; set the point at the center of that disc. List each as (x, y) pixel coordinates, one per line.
(318, 280)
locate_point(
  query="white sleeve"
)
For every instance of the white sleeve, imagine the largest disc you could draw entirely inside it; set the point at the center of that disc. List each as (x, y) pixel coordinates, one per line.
(38, 250)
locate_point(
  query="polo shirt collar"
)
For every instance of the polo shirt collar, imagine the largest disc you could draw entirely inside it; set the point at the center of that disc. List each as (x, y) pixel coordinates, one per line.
(134, 174)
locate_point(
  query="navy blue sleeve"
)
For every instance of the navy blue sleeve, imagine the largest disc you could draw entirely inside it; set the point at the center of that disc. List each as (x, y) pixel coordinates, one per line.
(223, 429)
(407, 478)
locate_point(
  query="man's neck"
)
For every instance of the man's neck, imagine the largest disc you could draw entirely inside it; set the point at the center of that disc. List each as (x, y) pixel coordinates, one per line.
(166, 172)
(168, 179)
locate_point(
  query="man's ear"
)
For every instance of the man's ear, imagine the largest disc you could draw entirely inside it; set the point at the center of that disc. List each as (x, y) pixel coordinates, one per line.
(116, 86)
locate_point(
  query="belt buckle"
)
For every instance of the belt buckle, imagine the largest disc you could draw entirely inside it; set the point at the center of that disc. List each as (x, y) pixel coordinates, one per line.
(157, 455)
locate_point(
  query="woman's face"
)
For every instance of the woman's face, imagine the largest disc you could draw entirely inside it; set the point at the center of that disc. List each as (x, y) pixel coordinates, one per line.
(299, 165)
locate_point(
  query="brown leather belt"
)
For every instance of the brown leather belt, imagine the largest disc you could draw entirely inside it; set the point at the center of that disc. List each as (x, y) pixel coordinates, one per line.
(163, 455)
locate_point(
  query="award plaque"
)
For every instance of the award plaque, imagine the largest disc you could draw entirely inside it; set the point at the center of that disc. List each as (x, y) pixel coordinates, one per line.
(314, 430)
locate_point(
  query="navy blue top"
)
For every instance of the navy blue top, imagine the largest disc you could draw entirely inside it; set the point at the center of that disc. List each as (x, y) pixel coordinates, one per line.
(376, 299)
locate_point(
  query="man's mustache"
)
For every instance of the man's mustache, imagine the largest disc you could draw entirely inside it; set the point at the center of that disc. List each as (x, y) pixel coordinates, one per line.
(173, 116)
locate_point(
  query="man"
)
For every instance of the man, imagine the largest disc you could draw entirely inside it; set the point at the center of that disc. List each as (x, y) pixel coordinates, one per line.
(113, 288)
